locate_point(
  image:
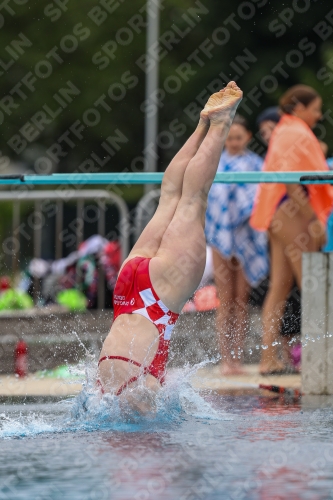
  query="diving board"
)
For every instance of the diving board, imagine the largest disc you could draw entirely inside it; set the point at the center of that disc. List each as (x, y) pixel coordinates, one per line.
(156, 178)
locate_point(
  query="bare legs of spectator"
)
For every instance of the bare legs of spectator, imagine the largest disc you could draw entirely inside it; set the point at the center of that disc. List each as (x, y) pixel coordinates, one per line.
(288, 237)
(232, 314)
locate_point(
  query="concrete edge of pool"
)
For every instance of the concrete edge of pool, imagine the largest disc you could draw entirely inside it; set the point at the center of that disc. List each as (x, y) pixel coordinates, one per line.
(31, 388)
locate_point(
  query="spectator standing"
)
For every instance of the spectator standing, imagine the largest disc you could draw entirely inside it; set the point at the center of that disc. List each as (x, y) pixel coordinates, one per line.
(294, 215)
(267, 121)
(239, 252)
(291, 323)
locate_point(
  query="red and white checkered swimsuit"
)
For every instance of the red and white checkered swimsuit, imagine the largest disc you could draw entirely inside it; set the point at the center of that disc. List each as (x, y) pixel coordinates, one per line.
(134, 294)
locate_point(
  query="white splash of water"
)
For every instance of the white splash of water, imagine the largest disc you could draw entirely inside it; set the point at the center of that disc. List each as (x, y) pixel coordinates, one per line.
(22, 425)
(91, 411)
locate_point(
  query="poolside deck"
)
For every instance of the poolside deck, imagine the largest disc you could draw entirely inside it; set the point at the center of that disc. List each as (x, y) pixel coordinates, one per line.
(55, 337)
(207, 378)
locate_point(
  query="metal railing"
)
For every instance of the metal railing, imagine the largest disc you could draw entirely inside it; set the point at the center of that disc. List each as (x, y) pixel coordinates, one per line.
(102, 197)
(144, 211)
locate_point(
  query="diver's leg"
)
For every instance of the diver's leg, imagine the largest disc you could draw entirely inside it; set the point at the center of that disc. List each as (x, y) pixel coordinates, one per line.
(177, 269)
(171, 191)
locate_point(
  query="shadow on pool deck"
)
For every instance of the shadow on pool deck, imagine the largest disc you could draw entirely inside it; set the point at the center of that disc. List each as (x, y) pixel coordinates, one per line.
(207, 378)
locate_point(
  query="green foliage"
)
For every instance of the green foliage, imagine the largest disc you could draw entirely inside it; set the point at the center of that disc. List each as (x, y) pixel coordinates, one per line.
(260, 34)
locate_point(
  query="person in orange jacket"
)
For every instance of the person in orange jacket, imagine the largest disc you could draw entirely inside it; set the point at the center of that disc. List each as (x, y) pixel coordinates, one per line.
(294, 215)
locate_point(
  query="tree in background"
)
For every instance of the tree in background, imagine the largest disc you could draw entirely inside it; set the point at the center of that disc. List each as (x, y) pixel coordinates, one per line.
(73, 73)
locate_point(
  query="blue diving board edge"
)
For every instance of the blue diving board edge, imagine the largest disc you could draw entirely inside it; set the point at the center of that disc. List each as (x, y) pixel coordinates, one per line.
(156, 178)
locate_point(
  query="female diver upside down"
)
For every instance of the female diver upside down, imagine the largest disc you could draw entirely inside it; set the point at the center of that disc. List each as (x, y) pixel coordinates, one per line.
(167, 262)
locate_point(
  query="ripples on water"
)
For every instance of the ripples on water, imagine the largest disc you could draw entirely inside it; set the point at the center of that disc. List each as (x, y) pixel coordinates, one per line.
(194, 447)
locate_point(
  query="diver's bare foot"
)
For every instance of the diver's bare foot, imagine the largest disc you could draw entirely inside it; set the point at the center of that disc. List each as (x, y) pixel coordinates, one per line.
(222, 105)
(204, 115)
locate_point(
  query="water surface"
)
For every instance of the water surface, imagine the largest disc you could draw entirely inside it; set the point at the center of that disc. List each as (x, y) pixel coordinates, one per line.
(214, 447)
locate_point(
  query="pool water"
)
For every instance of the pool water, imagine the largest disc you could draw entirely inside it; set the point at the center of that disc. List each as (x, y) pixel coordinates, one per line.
(197, 446)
